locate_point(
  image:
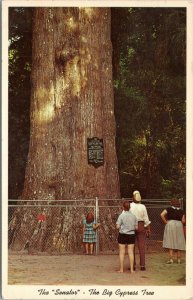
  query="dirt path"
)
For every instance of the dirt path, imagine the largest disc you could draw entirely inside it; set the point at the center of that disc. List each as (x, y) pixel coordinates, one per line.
(91, 270)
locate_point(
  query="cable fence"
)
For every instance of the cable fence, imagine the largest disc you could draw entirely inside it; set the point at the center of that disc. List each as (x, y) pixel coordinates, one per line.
(37, 227)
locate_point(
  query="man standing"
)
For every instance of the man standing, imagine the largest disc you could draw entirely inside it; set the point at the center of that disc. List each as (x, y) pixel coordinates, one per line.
(140, 211)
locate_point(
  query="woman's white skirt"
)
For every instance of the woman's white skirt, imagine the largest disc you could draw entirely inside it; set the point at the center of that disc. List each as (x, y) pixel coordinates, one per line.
(174, 235)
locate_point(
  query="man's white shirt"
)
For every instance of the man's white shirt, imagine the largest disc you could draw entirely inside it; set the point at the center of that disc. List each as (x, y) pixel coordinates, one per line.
(140, 211)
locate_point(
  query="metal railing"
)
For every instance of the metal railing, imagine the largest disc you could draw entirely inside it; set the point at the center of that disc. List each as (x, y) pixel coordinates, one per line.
(56, 227)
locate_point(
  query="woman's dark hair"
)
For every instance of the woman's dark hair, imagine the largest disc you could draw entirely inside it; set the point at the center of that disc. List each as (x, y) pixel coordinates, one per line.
(126, 205)
(89, 218)
(175, 202)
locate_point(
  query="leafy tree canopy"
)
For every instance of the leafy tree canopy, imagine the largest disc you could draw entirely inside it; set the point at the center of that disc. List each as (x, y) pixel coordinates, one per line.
(149, 67)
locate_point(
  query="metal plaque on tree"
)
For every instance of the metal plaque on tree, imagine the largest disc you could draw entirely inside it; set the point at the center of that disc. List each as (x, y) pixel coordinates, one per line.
(95, 151)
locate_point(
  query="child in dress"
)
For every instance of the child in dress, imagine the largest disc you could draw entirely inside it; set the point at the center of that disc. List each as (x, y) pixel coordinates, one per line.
(89, 232)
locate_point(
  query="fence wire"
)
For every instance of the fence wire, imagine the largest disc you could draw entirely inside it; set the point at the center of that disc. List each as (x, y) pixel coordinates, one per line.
(38, 227)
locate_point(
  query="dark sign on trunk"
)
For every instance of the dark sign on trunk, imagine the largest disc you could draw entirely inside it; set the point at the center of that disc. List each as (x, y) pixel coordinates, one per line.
(95, 151)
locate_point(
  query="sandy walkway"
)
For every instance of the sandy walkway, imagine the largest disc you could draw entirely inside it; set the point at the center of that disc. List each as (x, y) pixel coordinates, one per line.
(89, 270)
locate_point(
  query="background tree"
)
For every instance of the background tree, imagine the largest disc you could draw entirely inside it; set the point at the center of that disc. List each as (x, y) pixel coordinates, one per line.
(20, 49)
(150, 92)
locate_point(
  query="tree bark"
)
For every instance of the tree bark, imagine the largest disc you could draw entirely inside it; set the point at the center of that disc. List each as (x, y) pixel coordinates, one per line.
(71, 100)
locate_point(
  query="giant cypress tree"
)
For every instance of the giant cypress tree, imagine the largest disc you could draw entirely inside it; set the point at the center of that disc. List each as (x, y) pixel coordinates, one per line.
(71, 101)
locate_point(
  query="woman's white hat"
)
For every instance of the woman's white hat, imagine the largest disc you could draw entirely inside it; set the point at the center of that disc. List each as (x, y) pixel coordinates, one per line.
(137, 196)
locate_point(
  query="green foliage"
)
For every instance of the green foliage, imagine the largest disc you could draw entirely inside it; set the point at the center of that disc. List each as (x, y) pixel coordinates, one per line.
(19, 95)
(149, 69)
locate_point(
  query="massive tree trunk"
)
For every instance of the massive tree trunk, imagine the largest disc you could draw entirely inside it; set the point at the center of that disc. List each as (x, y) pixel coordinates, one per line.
(71, 100)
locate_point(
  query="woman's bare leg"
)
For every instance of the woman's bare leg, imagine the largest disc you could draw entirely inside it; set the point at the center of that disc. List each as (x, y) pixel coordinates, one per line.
(171, 253)
(131, 256)
(91, 248)
(179, 256)
(86, 247)
(171, 260)
(121, 256)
